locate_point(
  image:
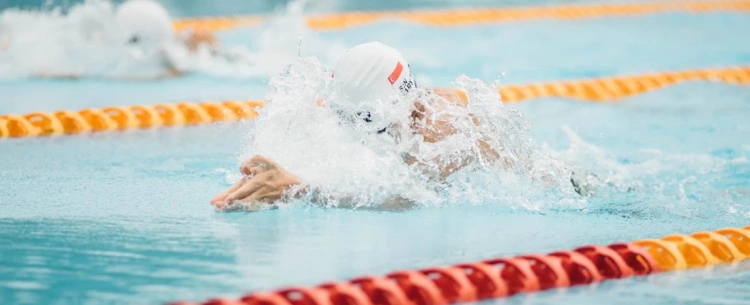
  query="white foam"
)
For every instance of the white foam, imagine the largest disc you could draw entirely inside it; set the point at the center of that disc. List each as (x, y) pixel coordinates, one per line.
(368, 169)
(658, 182)
(83, 41)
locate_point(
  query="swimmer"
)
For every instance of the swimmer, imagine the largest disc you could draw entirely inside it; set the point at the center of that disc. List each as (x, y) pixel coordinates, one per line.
(365, 73)
(147, 31)
(151, 48)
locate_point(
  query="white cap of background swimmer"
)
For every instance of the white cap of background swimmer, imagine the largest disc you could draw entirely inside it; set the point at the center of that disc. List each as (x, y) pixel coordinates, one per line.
(144, 22)
(371, 77)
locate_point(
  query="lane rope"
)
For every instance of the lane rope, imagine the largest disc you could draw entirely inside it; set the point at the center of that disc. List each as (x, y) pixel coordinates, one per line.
(455, 17)
(606, 89)
(504, 277)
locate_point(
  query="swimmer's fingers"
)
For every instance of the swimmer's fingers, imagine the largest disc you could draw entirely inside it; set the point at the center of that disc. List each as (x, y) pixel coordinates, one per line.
(261, 200)
(245, 190)
(264, 194)
(218, 200)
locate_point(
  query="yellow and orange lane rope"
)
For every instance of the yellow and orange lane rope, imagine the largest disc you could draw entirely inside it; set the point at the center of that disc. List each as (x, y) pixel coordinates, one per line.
(613, 88)
(125, 117)
(216, 23)
(152, 116)
(502, 277)
(453, 17)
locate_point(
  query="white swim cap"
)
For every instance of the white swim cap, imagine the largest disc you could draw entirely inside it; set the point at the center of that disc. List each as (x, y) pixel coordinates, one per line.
(144, 22)
(371, 76)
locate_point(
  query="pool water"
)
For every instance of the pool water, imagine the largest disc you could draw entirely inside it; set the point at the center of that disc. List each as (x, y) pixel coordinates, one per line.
(123, 217)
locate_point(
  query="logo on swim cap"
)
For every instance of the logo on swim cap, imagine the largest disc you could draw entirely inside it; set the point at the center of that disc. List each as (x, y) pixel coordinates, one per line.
(396, 73)
(407, 84)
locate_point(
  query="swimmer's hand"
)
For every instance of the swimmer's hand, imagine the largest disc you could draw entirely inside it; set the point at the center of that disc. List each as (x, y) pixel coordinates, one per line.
(263, 184)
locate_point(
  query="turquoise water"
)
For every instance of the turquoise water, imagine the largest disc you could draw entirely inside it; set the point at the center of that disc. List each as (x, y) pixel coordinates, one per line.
(123, 218)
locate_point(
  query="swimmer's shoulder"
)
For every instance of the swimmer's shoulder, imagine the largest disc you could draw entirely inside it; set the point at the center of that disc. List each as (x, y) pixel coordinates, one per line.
(456, 96)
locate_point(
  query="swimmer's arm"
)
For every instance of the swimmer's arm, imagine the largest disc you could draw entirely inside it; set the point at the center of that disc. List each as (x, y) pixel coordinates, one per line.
(446, 166)
(436, 130)
(266, 183)
(315, 197)
(459, 97)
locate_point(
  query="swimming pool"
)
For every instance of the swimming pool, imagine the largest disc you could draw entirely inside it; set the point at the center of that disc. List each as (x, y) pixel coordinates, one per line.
(123, 218)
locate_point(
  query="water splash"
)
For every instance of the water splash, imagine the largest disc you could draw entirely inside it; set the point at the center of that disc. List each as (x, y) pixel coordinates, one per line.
(347, 166)
(39, 43)
(651, 183)
(286, 36)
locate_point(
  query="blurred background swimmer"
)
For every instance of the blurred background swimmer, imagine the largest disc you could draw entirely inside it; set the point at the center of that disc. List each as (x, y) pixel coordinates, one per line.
(136, 41)
(147, 30)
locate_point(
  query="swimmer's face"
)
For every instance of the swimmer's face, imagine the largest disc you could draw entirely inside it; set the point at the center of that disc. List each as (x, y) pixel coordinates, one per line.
(377, 117)
(378, 114)
(363, 120)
